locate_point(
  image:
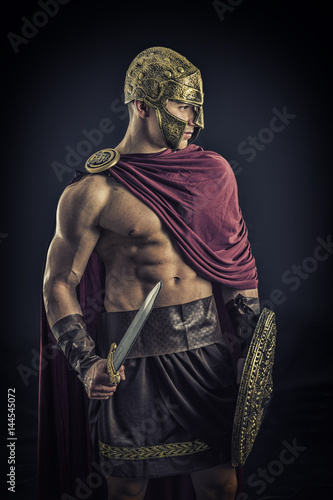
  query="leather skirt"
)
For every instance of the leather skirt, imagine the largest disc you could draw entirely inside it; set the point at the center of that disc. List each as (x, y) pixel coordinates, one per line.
(174, 412)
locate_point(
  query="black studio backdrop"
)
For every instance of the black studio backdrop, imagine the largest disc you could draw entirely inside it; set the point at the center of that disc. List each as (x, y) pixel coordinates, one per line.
(267, 86)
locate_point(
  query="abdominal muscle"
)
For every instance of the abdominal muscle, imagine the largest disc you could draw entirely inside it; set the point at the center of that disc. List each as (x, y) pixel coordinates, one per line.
(136, 266)
(138, 252)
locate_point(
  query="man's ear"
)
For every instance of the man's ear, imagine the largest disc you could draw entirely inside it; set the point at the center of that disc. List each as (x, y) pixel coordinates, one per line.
(142, 108)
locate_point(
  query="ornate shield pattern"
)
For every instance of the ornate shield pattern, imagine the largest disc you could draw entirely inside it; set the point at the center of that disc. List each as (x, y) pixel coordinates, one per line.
(255, 388)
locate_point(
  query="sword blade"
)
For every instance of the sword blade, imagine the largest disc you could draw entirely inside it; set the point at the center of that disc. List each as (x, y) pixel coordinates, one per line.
(135, 327)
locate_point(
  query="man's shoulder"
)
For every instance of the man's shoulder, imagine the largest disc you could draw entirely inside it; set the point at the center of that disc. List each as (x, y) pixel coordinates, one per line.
(87, 184)
(86, 191)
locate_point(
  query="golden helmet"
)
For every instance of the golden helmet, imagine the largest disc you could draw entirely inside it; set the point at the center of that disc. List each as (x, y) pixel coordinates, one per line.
(159, 74)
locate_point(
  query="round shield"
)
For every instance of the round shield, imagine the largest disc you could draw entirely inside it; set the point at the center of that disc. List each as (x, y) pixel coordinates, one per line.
(255, 388)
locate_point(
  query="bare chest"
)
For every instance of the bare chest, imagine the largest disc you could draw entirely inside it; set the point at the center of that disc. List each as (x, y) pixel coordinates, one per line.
(127, 216)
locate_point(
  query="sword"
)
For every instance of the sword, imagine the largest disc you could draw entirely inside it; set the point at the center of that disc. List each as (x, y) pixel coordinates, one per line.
(118, 354)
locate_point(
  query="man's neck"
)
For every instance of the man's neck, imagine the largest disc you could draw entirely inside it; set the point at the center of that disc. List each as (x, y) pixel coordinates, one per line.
(135, 142)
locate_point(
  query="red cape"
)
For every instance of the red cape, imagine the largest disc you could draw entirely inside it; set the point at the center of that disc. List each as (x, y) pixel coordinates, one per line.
(194, 192)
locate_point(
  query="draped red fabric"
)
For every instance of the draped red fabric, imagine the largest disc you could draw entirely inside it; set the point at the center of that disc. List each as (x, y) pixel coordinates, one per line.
(194, 192)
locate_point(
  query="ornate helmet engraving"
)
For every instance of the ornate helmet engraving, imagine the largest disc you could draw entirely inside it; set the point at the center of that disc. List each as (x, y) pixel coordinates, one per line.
(157, 75)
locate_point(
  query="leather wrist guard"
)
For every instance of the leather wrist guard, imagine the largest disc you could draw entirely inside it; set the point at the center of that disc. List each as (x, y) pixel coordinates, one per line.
(244, 314)
(75, 342)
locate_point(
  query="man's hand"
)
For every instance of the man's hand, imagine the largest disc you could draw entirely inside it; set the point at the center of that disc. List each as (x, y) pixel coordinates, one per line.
(240, 366)
(97, 382)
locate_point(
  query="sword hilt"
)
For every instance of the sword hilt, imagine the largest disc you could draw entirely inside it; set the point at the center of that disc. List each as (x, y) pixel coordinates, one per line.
(112, 372)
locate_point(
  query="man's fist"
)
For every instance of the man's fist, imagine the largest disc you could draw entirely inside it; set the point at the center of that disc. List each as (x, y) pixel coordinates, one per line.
(97, 382)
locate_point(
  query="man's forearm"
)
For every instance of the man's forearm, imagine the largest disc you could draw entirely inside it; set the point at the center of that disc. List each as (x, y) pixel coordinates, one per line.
(66, 321)
(74, 341)
(60, 301)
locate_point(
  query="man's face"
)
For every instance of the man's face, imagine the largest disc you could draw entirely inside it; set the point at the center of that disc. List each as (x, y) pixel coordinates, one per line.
(186, 112)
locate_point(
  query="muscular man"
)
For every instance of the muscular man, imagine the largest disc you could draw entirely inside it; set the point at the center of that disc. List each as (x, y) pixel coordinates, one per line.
(101, 214)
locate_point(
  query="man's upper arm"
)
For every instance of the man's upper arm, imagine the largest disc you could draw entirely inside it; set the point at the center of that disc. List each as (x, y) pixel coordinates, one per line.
(77, 232)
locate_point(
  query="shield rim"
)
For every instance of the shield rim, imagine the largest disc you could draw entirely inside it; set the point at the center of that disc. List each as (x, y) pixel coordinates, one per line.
(264, 336)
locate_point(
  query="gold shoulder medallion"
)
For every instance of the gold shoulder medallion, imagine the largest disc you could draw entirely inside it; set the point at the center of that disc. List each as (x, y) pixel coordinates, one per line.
(102, 160)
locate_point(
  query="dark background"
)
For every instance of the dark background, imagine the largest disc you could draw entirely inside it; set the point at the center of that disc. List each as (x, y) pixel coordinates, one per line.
(255, 57)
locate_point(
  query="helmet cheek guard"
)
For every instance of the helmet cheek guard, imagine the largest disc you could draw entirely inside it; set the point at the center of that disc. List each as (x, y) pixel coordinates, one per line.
(158, 75)
(199, 119)
(172, 128)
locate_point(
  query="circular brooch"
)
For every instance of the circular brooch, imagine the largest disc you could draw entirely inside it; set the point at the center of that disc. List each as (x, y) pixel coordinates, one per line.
(102, 160)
